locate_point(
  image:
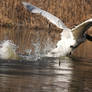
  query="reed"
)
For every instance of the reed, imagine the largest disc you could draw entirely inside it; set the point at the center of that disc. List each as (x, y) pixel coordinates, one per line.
(71, 12)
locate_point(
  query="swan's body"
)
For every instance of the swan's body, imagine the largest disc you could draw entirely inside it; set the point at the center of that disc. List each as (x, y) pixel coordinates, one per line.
(63, 46)
(8, 50)
(70, 38)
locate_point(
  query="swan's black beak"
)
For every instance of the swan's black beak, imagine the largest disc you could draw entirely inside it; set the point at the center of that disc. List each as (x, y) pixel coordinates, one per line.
(88, 37)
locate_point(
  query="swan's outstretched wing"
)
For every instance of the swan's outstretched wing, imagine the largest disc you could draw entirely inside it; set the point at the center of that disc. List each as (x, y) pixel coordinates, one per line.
(83, 26)
(79, 31)
(47, 15)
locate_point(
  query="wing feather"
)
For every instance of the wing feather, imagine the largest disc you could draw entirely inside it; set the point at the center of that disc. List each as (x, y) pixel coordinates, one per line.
(53, 19)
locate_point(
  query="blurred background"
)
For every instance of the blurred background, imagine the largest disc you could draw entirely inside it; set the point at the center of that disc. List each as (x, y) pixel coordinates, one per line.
(23, 28)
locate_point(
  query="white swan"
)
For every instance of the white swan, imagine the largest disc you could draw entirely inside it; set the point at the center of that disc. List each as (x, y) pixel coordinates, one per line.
(70, 38)
(8, 50)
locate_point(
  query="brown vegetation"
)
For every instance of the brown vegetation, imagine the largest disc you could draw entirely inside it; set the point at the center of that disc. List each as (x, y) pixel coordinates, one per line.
(71, 12)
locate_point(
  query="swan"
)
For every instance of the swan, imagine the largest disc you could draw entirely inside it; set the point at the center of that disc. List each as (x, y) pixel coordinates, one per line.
(70, 38)
(8, 50)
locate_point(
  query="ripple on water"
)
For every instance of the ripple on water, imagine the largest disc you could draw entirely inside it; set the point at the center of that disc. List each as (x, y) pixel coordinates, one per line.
(46, 75)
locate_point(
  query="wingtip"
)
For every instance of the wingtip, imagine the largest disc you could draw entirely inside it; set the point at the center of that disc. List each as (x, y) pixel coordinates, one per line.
(25, 3)
(90, 19)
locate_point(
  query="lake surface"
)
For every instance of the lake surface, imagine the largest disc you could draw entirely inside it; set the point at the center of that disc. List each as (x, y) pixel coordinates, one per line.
(46, 75)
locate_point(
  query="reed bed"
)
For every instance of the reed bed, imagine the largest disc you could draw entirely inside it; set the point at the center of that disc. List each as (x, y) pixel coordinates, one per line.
(71, 12)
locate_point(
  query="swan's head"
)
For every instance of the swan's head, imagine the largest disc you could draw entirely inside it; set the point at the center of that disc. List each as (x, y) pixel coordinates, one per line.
(8, 50)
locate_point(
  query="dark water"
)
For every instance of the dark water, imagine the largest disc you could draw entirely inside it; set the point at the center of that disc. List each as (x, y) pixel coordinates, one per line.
(46, 75)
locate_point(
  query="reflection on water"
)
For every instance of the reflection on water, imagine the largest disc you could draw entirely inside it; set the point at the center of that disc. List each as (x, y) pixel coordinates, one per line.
(46, 75)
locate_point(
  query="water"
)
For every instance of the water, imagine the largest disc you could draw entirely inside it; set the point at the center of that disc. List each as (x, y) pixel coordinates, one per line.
(46, 75)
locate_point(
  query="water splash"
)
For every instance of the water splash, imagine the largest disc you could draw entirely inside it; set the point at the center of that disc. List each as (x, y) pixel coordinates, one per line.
(49, 45)
(39, 50)
(8, 50)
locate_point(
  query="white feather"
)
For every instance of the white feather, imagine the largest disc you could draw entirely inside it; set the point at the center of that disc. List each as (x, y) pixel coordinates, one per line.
(82, 24)
(63, 46)
(53, 19)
